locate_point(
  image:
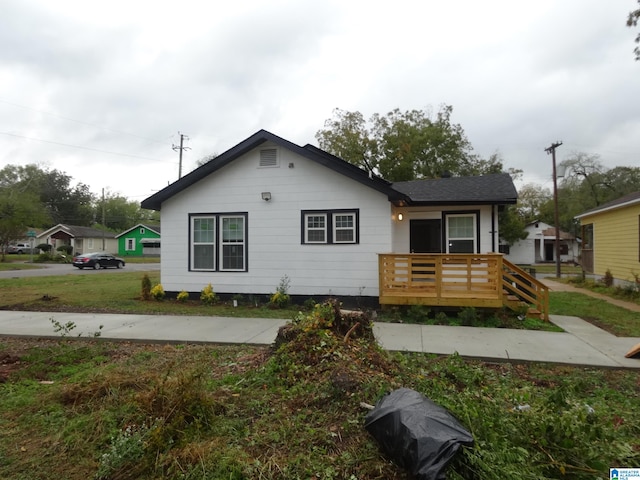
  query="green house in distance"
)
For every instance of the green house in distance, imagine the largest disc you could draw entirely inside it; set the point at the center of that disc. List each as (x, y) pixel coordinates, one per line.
(141, 240)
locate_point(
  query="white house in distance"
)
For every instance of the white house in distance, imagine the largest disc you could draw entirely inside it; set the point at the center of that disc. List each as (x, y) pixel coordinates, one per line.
(539, 246)
(267, 208)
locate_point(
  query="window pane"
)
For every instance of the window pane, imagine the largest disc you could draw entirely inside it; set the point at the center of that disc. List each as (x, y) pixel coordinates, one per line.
(461, 246)
(461, 227)
(203, 230)
(233, 257)
(203, 257)
(315, 221)
(232, 229)
(344, 221)
(344, 236)
(315, 236)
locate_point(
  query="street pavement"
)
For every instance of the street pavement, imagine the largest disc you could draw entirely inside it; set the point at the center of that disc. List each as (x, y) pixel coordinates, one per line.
(580, 344)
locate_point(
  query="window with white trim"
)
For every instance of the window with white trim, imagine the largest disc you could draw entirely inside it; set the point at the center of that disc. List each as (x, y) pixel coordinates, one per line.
(131, 244)
(344, 228)
(203, 245)
(330, 226)
(218, 242)
(461, 233)
(315, 230)
(233, 243)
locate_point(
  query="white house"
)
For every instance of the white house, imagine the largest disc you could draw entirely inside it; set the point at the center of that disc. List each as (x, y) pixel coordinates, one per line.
(268, 208)
(539, 246)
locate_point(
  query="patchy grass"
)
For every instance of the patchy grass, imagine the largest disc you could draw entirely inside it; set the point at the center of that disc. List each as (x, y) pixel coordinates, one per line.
(616, 320)
(78, 410)
(118, 294)
(8, 266)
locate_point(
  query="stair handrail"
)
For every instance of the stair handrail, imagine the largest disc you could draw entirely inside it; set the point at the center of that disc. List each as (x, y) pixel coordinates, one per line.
(537, 293)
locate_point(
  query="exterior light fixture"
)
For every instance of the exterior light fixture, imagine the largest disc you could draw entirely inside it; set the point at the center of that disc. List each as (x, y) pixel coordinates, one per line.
(266, 196)
(400, 217)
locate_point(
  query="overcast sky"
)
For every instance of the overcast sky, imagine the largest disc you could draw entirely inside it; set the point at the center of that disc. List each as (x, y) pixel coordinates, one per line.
(100, 90)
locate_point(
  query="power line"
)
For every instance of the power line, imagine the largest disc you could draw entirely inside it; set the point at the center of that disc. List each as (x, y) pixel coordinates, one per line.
(82, 148)
(84, 123)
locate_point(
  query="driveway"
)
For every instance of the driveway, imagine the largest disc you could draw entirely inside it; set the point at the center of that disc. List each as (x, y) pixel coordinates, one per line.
(47, 269)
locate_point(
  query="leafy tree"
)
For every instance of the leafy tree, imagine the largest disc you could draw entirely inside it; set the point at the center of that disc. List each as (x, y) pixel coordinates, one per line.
(18, 212)
(62, 202)
(632, 21)
(119, 212)
(531, 198)
(511, 225)
(404, 145)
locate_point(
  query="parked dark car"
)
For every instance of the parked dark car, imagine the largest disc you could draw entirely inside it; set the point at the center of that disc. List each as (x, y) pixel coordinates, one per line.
(97, 261)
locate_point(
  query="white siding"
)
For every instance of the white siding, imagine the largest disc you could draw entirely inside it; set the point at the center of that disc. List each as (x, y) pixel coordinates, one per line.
(401, 237)
(274, 229)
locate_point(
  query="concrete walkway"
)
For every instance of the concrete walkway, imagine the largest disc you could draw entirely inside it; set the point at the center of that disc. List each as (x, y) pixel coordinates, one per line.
(580, 344)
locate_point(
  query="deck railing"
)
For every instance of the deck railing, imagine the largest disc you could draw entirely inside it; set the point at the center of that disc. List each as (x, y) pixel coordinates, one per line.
(459, 280)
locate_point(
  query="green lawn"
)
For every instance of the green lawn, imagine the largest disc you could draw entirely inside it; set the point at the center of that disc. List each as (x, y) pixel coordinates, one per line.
(102, 410)
(121, 293)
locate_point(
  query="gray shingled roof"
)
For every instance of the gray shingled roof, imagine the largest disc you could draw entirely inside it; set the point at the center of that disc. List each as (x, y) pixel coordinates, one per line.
(630, 198)
(88, 232)
(487, 189)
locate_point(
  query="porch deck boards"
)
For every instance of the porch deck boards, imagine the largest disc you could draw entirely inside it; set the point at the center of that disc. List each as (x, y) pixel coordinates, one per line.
(458, 280)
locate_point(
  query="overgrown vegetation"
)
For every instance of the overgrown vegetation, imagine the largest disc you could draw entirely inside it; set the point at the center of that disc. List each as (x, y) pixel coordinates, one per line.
(79, 410)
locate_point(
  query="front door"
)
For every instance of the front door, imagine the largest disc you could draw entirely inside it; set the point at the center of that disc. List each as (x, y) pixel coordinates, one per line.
(425, 236)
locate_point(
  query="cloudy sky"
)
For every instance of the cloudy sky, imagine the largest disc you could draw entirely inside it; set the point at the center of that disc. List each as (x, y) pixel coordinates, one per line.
(100, 90)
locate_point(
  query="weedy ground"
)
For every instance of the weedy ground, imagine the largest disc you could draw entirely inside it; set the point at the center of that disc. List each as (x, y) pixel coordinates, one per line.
(78, 409)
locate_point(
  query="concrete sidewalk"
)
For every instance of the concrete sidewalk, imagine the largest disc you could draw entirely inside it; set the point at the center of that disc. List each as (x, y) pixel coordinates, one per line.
(580, 344)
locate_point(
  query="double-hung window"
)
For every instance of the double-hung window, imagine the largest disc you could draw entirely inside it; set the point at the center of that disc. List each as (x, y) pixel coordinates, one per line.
(330, 226)
(233, 243)
(218, 242)
(315, 230)
(131, 244)
(203, 244)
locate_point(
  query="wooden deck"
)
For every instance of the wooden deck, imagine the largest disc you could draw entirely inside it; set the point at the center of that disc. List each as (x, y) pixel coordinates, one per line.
(460, 280)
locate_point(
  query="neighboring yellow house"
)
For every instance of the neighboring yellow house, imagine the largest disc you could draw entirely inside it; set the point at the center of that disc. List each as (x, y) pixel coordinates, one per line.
(611, 239)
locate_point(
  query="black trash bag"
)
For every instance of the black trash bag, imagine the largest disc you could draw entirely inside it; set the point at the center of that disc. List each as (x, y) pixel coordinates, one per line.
(415, 433)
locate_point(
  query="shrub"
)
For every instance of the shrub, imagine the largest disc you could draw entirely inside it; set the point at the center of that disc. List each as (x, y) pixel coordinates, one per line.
(208, 296)
(468, 316)
(281, 298)
(44, 247)
(146, 287)
(607, 279)
(65, 248)
(157, 292)
(183, 296)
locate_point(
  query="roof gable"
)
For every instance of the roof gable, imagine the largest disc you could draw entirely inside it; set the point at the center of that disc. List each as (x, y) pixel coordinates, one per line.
(153, 228)
(310, 152)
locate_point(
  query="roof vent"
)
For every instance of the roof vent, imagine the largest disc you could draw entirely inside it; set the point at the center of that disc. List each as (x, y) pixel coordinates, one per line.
(269, 157)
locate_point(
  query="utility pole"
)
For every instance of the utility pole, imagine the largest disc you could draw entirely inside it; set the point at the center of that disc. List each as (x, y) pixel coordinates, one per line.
(552, 150)
(180, 148)
(104, 224)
